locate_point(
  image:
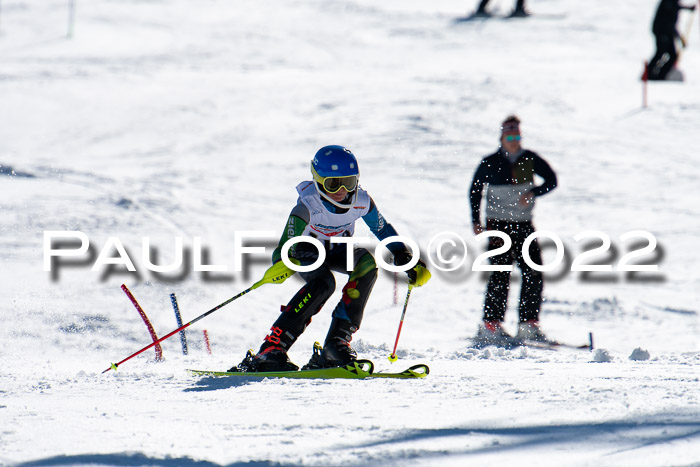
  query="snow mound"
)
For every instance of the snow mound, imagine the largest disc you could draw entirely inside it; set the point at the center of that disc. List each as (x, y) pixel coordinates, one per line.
(639, 354)
(602, 356)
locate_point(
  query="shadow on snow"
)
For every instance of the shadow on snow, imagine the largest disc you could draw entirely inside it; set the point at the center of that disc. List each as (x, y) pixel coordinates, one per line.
(213, 383)
(618, 436)
(622, 436)
(136, 459)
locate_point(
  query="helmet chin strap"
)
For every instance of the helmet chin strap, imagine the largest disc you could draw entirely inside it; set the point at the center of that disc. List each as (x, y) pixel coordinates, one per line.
(336, 203)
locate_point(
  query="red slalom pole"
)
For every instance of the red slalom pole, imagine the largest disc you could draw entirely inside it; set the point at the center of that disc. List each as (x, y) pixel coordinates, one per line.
(206, 342)
(159, 349)
(393, 357)
(276, 274)
(114, 366)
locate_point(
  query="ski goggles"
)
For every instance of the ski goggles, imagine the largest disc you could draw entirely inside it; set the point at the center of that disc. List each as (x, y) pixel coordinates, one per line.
(512, 137)
(334, 184)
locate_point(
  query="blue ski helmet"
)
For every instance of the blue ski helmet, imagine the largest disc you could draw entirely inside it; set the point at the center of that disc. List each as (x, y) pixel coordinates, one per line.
(333, 168)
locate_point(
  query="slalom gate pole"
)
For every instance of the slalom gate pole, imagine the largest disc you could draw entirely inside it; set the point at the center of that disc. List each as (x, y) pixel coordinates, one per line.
(178, 318)
(276, 274)
(71, 18)
(393, 357)
(159, 349)
(170, 334)
(645, 80)
(206, 341)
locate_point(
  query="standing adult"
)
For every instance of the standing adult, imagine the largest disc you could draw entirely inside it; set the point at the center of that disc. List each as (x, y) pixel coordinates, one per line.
(508, 175)
(665, 32)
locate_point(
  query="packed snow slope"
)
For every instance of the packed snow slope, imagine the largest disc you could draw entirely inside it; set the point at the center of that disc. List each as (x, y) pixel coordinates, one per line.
(171, 119)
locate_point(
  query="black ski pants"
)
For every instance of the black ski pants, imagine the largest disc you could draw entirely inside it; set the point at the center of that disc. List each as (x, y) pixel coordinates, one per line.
(519, 5)
(320, 285)
(664, 59)
(496, 300)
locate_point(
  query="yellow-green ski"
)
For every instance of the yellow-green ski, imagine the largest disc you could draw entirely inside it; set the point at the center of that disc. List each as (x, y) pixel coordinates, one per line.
(360, 369)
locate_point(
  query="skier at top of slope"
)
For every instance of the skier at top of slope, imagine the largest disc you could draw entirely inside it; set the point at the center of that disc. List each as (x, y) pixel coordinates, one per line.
(665, 33)
(518, 12)
(328, 207)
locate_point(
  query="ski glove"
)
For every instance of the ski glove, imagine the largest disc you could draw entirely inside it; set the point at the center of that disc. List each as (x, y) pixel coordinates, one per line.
(277, 273)
(418, 275)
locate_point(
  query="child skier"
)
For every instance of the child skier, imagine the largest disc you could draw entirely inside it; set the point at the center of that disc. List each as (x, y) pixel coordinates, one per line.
(328, 207)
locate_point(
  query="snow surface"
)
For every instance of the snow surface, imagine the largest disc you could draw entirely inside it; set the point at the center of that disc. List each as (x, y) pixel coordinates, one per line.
(174, 118)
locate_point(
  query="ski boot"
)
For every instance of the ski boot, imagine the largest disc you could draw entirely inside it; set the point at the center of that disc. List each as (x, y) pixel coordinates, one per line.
(492, 333)
(519, 13)
(315, 360)
(481, 14)
(337, 352)
(330, 356)
(271, 358)
(336, 349)
(530, 331)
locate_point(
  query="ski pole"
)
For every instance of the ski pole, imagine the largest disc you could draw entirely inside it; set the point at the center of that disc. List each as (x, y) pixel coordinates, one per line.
(393, 357)
(685, 37)
(276, 274)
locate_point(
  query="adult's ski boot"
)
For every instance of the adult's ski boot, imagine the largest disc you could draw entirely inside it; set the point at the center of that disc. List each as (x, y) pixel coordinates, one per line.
(530, 331)
(492, 333)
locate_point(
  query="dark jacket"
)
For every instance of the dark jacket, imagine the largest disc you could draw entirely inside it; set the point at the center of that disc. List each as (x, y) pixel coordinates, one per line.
(506, 183)
(666, 18)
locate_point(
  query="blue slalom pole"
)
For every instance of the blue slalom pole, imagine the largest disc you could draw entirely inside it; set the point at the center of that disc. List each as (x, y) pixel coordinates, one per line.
(183, 339)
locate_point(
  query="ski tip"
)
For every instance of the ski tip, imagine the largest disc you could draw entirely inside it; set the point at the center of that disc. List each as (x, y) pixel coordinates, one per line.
(419, 371)
(393, 358)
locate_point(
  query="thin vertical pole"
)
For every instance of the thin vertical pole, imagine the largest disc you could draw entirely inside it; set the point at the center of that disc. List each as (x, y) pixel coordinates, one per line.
(696, 9)
(178, 318)
(147, 322)
(392, 356)
(396, 289)
(645, 79)
(206, 341)
(71, 17)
